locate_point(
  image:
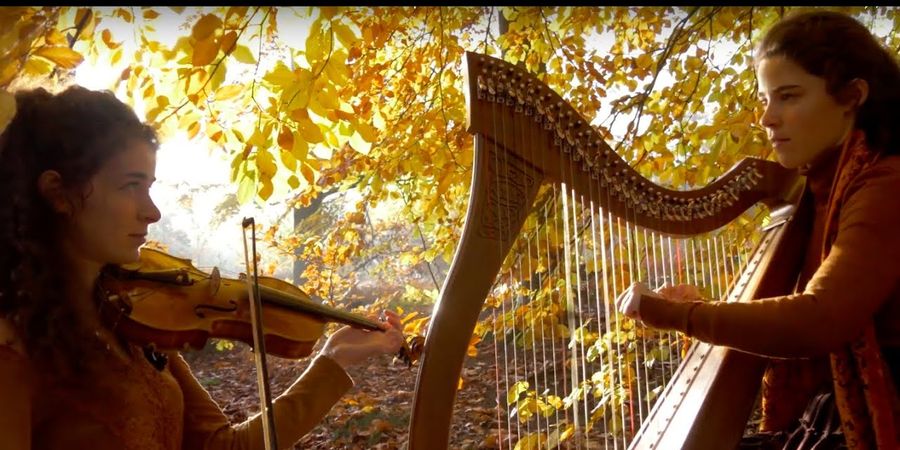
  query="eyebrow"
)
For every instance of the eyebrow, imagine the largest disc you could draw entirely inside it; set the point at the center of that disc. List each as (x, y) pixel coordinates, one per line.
(140, 175)
(781, 89)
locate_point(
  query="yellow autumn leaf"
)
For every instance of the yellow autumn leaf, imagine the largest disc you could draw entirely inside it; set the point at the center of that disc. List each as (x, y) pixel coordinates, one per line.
(260, 137)
(8, 72)
(193, 129)
(307, 173)
(124, 14)
(287, 158)
(332, 139)
(316, 106)
(106, 37)
(228, 40)
(300, 148)
(55, 37)
(316, 44)
(63, 57)
(297, 96)
(205, 51)
(266, 190)
(570, 430)
(116, 56)
(246, 189)
(368, 132)
(265, 163)
(229, 92)
(693, 63)
(280, 76)
(327, 99)
(215, 132)
(328, 11)
(472, 351)
(217, 77)
(286, 139)
(81, 13)
(359, 144)
(150, 14)
(344, 34)
(7, 109)
(309, 131)
(337, 72)
(37, 67)
(205, 27)
(243, 54)
(293, 182)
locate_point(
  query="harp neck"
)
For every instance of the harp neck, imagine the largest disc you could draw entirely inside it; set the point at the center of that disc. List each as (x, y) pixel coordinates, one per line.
(517, 112)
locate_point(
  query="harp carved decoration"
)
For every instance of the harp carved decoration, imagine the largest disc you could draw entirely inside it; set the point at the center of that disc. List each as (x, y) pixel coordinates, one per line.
(527, 136)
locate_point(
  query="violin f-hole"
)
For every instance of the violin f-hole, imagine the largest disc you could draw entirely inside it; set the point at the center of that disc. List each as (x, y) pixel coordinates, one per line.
(199, 309)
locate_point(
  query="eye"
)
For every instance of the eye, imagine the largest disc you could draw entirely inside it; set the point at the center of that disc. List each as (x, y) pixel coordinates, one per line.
(786, 96)
(132, 186)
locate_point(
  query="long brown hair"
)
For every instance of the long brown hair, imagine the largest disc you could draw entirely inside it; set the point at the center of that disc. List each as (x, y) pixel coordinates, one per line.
(838, 48)
(74, 133)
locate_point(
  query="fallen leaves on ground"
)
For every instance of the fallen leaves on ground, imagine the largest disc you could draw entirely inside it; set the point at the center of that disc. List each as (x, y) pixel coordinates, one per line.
(374, 414)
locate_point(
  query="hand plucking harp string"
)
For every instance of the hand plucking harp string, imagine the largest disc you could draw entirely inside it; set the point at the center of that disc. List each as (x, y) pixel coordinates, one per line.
(628, 302)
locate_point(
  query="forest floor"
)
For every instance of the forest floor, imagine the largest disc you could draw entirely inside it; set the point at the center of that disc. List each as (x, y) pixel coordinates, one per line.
(374, 414)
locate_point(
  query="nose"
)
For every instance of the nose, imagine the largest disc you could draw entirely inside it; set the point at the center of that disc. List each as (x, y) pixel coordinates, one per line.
(149, 212)
(769, 118)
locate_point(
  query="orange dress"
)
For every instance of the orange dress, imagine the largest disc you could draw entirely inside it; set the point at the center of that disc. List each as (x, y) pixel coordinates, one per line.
(855, 286)
(130, 405)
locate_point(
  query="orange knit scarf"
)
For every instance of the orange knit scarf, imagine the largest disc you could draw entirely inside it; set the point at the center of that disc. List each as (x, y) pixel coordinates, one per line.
(863, 391)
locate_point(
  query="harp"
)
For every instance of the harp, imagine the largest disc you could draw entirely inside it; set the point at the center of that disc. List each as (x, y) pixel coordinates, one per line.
(557, 225)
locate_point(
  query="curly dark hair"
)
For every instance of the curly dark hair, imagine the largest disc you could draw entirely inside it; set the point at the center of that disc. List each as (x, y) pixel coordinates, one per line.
(74, 133)
(839, 48)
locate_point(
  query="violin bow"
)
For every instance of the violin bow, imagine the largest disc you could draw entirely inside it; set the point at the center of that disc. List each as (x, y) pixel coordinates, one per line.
(259, 344)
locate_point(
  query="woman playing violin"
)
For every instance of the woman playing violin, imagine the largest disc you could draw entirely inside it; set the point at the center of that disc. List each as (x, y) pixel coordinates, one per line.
(75, 173)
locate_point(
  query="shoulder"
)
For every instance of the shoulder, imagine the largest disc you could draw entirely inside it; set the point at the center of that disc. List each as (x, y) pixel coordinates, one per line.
(885, 170)
(870, 203)
(879, 182)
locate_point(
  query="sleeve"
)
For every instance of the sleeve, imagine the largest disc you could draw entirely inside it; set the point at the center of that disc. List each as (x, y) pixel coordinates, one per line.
(843, 296)
(15, 392)
(298, 410)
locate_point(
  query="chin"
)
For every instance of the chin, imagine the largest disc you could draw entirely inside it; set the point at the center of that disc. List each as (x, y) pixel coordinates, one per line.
(128, 257)
(786, 161)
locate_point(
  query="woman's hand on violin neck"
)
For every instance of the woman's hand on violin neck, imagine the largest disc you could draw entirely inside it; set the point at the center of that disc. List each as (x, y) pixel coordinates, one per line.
(349, 346)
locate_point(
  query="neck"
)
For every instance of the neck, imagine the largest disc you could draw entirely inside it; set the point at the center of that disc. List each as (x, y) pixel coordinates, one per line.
(823, 161)
(81, 281)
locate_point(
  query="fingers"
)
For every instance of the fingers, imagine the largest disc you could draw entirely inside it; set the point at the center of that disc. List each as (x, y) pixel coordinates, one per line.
(681, 292)
(628, 302)
(394, 319)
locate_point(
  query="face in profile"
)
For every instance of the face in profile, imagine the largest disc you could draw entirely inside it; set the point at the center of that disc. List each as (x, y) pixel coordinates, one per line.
(111, 224)
(802, 119)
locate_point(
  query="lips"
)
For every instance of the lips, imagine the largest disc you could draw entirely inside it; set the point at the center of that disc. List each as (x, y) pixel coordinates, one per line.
(778, 141)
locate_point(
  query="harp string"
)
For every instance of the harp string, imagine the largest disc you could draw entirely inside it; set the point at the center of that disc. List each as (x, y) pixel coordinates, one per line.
(553, 298)
(610, 393)
(500, 165)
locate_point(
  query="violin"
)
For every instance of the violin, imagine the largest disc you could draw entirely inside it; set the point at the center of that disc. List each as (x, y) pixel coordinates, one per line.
(166, 303)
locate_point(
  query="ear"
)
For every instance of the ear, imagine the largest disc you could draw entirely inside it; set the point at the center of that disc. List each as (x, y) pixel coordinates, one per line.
(50, 186)
(857, 92)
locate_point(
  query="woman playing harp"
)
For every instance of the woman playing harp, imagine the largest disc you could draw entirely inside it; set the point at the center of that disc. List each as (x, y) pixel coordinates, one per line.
(830, 92)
